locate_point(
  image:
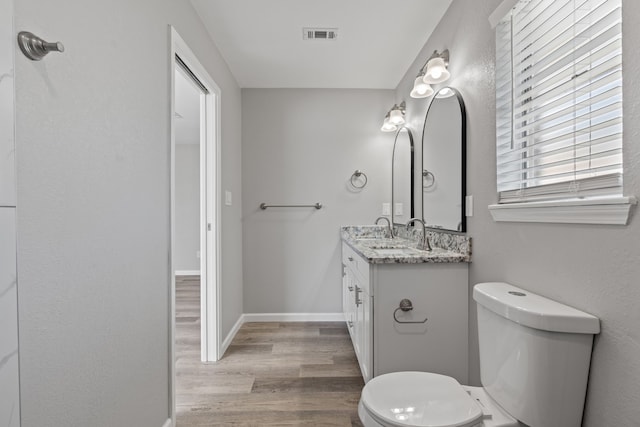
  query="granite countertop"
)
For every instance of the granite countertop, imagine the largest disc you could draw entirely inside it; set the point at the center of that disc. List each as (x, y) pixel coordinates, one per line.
(373, 243)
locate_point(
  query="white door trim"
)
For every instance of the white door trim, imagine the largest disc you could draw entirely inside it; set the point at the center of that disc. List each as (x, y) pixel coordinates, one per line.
(210, 202)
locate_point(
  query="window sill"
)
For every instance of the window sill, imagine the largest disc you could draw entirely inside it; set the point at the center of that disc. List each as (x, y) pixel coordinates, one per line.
(610, 210)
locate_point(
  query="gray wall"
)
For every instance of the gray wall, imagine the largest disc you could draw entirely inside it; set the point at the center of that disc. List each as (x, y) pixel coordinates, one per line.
(187, 208)
(301, 146)
(93, 209)
(593, 268)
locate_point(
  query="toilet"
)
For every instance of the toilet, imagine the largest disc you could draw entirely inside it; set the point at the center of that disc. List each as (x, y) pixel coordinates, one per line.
(534, 366)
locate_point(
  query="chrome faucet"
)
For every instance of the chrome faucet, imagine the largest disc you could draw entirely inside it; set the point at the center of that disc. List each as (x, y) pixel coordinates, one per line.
(388, 225)
(425, 245)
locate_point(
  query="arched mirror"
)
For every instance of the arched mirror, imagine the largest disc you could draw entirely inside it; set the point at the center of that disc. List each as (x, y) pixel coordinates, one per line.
(444, 162)
(402, 209)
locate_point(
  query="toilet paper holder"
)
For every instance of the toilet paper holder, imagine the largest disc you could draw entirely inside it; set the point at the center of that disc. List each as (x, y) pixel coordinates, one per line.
(406, 305)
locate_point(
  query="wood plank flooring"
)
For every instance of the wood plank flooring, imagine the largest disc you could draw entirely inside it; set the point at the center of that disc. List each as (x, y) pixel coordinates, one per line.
(273, 374)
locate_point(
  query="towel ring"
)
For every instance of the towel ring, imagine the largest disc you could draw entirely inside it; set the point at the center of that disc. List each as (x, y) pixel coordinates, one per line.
(357, 174)
(425, 175)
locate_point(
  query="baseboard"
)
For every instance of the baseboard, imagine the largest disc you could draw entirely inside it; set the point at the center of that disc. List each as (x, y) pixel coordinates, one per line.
(231, 335)
(293, 317)
(187, 272)
(168, 423)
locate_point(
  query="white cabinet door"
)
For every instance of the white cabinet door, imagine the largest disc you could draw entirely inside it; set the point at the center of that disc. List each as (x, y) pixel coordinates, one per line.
(352, 322)
(347, 300)
(7, 146)
(9, 388)
(345, 292)
(364, 332)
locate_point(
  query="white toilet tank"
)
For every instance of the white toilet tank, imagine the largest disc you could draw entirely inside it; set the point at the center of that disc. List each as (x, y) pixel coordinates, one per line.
(534, 354)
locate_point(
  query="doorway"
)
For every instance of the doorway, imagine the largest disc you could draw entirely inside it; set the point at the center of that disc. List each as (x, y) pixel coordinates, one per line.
(195, 195)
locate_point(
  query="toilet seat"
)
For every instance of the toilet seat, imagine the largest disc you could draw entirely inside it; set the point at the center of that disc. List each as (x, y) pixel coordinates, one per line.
(419, 399)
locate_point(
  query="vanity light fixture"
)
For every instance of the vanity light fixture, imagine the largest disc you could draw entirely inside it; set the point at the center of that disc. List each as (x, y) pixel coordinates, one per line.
(394, 118)
(436, 68)
(387, 126)
(420, 88)
(396, 115)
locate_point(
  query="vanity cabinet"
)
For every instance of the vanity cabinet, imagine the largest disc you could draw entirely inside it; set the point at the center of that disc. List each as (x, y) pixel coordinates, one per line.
(383, 342)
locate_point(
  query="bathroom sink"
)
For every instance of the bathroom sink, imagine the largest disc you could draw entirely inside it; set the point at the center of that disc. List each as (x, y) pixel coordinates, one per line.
(388, 246)
(390, 252)
(383, 243)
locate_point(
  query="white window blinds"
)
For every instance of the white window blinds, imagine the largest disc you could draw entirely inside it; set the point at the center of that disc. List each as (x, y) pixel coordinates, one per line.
(559, 100)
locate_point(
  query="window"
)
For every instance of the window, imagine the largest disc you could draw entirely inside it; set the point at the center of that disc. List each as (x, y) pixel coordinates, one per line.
(559, 102)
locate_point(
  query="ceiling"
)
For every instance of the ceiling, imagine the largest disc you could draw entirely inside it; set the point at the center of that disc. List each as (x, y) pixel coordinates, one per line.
(378, 40)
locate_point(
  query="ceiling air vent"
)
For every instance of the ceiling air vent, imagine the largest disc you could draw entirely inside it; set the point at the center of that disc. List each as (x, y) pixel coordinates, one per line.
(319, 33)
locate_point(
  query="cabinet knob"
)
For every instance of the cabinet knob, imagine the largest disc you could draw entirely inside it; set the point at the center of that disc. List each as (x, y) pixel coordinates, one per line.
(350, 258)
(350, 288)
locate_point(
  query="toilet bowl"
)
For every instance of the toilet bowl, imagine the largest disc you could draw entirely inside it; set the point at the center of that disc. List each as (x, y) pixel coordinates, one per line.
(534, 365)
(427, 400)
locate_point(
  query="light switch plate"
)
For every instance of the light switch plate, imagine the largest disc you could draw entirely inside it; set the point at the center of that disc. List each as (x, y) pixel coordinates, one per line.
(399, 209)
(227, 198)
(386, 209)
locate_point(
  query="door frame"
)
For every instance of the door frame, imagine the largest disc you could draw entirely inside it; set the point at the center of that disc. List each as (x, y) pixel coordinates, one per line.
(210, 209)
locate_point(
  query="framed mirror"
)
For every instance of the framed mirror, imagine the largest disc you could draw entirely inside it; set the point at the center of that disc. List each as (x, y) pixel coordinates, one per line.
(444, 141)
(402, 208)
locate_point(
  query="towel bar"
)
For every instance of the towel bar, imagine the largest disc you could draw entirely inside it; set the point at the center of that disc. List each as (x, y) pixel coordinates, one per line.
(264, 206)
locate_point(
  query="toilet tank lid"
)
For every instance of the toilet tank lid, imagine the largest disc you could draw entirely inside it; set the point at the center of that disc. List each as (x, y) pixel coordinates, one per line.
(534, 311)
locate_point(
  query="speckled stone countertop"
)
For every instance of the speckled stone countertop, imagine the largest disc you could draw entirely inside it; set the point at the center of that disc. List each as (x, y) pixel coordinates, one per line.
(373, 243)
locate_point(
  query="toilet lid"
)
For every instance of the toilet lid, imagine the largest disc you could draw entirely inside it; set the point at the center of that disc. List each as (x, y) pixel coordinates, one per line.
(419, 399)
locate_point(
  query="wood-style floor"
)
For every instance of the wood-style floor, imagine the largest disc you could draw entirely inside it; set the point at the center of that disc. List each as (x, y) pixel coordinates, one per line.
(273, 374)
